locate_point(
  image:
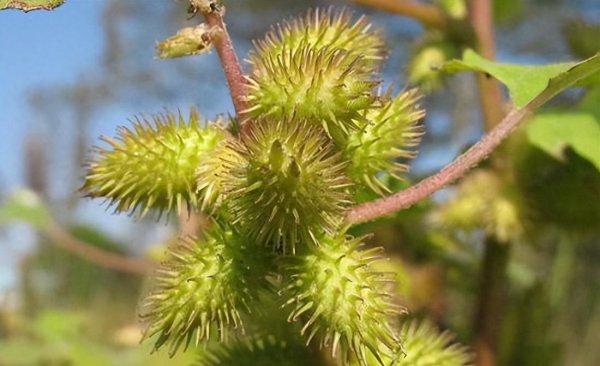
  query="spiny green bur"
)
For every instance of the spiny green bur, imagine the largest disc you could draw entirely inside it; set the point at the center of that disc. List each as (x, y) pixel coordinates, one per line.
(321, 85)
(424, 345)
(483, 200)
(152, 165)
(321, 68)
(203, 285)
(342, 301)
(326, 28)
(317, 136)
(392, 133)
(214, 173)
(259, 351)
(291, 187)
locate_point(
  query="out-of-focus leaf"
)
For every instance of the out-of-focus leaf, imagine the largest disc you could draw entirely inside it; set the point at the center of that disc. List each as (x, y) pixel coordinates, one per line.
(53, 338)
(59, 337)
(578, 128)
(553, 131)
(527, 82)
(583, 73)
(455, 8)
(582, 37)
(508, 11)
(52, 326)
(143, 355)
(19, 349)
(25, 205)
(29, 5)
(558, 193)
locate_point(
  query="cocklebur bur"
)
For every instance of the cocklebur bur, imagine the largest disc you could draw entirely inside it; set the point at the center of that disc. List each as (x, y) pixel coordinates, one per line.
(151, 166)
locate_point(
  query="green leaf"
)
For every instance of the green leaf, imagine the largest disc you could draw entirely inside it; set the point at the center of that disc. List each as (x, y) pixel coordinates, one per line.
(524, 82)
(585, 73)
(553, 131)
(25, 205)
(507, 12)
(53, 337)
(578, 128)
(27, 352)
(29, 5)
(53, 326)
(582, 37)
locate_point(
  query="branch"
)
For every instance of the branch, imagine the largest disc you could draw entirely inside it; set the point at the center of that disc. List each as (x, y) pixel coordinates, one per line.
(493, 269)
(490, 301)
(428, 15)
(406, 198)
(63, 239)
(490, 94)
(222, 43)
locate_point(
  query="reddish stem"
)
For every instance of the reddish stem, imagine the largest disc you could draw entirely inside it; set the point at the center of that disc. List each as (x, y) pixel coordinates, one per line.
(229, 61)
(490, 301)
(492, 289)
(428, 15)
(490, 94)
(63, 239)
(406, 198)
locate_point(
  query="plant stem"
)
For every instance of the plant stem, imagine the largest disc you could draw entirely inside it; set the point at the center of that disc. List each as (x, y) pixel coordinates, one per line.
(492, 288)
(63, 239)
(490, 301)
(406, 198)
(490, 94)
(428, 15)
(229, 60)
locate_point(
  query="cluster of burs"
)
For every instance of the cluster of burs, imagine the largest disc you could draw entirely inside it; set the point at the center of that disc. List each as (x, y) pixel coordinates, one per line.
(319, 134)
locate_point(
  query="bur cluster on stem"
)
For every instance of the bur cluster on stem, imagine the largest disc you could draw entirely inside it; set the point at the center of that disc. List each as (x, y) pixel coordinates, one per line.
(317, 134)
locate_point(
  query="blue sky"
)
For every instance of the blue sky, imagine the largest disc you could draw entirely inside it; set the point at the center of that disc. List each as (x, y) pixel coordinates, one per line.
(40, 48)
(46, 49)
